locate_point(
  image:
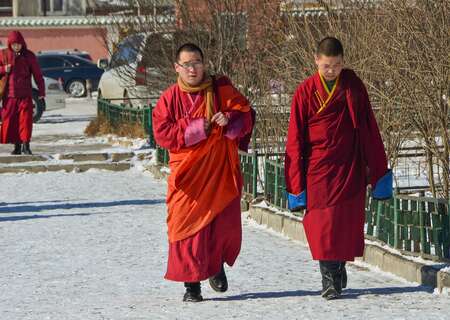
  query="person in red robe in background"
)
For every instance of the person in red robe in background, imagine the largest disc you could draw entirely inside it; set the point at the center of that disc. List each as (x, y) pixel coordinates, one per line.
(18, 64)
(333, 150)
(202, 120)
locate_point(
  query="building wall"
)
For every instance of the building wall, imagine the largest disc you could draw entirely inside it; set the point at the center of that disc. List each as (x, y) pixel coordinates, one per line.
(32, 8)
(86, 39)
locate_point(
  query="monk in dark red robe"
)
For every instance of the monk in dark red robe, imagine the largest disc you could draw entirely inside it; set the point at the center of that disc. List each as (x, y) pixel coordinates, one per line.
(202, 121)
(19, 64)
(333, 150)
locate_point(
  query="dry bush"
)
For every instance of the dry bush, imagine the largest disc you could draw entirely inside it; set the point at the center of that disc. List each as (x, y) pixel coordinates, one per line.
(101, 126)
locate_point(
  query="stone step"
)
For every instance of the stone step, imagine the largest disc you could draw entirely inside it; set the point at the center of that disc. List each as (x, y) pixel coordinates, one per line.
(23, 158)
(76, 166)
(76, 157)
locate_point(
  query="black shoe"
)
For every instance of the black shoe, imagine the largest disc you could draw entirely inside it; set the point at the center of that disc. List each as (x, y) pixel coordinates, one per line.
(219, 282)
(193, 292)
(26, 148)
(331, 279)
(17, 149)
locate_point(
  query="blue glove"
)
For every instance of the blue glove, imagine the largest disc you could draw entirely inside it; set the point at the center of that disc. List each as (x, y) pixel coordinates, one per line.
(383, 188)
(297, 202)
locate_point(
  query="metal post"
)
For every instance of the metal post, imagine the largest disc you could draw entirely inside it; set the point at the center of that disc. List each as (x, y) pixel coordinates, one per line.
(276, 183)
(396, 235)
(447, 253)
(421, 222)
(378, 218)
(255, 174)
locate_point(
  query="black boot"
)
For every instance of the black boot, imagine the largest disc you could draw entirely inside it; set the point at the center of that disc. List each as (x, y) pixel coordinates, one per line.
(17, 149)
(219, 282)
(26, 148)
(344, 275)
(193, 292)
(331, 279)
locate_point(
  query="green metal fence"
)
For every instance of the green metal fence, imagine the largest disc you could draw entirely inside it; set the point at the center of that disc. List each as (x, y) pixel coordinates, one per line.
(117, 114)
(413, 224)
(162, 156)
(274, 182)
(417, 225)
(250, 167)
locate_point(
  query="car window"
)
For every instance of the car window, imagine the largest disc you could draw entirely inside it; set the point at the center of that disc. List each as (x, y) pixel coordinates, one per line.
(127, 51)
(51, 62)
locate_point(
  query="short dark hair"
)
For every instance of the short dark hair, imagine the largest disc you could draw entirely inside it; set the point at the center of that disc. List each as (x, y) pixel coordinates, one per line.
(189, 47)
(330, 47)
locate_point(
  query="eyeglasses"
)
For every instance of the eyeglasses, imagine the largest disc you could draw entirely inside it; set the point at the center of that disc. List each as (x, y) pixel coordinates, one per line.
(188, 65)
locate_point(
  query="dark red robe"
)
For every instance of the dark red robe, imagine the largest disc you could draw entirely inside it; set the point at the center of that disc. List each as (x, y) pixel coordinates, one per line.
(329, 154)
(17, 108)
(202, 237)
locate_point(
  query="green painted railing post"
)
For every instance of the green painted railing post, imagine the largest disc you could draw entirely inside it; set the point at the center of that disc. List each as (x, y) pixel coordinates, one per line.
(447, 253)
(266, 176)
(421, 208)
(255, 174)
(276, 183)
(378, 218)
(396, 215)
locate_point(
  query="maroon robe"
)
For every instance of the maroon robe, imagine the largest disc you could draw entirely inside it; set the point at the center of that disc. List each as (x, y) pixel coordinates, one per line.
(202, 254)
(328, 154)
(17, 109)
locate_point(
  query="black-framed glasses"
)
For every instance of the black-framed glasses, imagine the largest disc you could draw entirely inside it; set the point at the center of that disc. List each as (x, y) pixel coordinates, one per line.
(188, 65)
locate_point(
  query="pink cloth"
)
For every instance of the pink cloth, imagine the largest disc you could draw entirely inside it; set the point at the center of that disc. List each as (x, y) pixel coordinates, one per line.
(195, 132)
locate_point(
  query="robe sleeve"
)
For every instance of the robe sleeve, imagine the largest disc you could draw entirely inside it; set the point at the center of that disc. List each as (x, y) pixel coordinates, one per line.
(372, 144)
(168, 132)
(239, 124)
(37, 75)
(295, 145)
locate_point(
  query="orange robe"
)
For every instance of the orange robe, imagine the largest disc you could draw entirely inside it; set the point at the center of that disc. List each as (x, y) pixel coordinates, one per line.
(205, 180)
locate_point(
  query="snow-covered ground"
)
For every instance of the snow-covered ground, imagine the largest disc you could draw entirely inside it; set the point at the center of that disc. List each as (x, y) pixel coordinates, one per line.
(93, 246)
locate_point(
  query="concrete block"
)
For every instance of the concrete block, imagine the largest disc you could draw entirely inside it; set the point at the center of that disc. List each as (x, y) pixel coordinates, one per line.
(80, 157)
(374, 255)
(442, 280)
(428, 276)
(294, 229)
(116, 157)
(21, 158)
(265, 216)
(402, 267)
(275, 222)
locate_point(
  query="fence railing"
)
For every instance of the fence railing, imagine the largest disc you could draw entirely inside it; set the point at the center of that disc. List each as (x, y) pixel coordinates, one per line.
(117, 114)
(416, 225)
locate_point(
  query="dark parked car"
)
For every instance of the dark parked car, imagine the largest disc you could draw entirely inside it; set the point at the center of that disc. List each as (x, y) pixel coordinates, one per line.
(74, 52)
(73, 70)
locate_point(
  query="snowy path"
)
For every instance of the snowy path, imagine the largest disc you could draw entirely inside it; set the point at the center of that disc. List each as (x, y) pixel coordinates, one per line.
(93, 246)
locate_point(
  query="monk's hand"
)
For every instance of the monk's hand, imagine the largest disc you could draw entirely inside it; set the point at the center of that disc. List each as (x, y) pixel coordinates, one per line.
(207, 127)
(220, 119)
(7, 68)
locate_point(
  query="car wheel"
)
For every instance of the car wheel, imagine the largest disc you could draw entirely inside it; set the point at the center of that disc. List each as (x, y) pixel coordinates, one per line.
(76, 88)
(38, 108)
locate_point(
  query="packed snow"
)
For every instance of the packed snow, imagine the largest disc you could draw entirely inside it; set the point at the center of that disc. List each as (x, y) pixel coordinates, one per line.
(93, 246)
